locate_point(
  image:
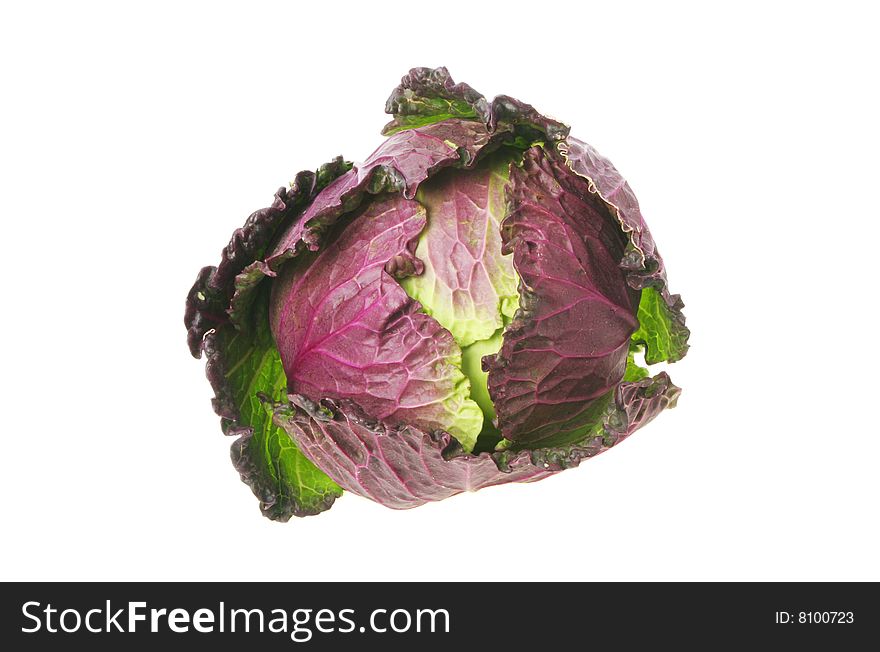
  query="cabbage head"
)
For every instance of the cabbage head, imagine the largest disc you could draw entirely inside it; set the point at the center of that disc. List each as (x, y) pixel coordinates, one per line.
(467, 307)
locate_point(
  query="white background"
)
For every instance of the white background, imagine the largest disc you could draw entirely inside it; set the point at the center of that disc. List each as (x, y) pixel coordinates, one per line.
(136, 138)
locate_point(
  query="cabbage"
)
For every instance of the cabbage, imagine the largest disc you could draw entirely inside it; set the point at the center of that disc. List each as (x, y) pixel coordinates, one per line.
(463, 309)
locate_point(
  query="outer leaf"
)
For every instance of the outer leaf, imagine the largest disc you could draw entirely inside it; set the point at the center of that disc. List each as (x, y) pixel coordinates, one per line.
(660, 328)
(404, 467)
(567, 348)
(399, 467)
(467, 284)
(663, 324)
(526, 120)
(346, 329)
(428, 95)
(400, 164)
(245, 370)
(241, 365)
(634, 404)
(209, 299)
